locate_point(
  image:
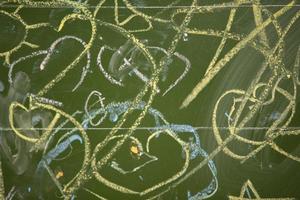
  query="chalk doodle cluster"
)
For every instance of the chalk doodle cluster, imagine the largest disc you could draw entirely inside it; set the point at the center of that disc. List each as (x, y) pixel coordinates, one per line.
(102, 99)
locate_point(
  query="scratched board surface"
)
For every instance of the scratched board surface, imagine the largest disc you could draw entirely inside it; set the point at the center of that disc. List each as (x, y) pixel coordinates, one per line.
(149, 99)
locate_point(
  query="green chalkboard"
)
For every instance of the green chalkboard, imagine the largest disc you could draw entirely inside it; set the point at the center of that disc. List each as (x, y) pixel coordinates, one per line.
(149, 99)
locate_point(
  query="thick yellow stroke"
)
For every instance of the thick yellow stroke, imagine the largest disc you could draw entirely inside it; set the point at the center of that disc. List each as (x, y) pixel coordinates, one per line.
(220, 65)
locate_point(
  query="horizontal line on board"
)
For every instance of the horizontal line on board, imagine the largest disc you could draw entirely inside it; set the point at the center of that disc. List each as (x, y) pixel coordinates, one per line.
(151, 7)
(147, 128)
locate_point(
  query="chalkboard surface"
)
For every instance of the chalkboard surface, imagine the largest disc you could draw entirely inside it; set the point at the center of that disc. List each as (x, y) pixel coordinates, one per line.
(149, 99)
